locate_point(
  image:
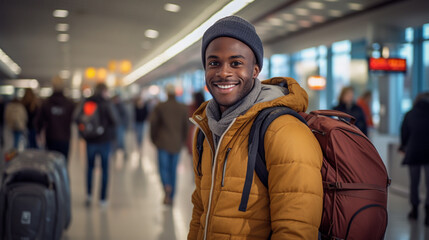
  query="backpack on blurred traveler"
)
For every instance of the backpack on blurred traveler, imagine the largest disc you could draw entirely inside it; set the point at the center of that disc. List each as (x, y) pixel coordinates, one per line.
(89, 121)
(355, 179)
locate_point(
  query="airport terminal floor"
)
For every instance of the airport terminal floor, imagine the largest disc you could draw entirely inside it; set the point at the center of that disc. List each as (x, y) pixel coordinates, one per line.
(135, 210)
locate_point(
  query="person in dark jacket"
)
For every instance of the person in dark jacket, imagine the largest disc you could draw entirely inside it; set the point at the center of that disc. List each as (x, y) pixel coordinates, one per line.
(346, 104)
(168, 131)
(141, 112)
(55, 118)
(415, 145)
(101, 144)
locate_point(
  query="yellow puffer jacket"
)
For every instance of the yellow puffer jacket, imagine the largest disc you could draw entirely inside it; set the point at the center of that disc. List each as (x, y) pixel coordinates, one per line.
(290, 208)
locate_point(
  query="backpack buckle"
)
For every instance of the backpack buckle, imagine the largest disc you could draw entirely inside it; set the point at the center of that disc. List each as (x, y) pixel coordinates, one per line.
(334, 185)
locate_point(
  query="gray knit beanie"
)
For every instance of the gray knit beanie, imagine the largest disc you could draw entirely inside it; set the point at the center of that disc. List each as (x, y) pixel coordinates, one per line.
(238, 28)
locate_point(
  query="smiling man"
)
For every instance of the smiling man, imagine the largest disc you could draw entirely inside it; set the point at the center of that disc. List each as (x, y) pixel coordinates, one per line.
(291, 206)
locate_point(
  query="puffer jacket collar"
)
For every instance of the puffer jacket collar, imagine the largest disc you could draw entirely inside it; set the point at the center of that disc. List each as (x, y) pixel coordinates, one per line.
(296, 99)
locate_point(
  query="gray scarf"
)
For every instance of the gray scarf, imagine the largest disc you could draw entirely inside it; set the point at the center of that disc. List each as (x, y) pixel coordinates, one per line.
(219, 122)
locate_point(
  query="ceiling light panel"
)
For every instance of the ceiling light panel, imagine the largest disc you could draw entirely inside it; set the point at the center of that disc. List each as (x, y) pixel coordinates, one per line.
(63, 37)
(288, 16)
(276, 21)
(355, 6)
(316, 5)
(304, 23)
(335, 13)
(150, 33)
(318, 18)
(60, 13)
(62, 27)
(302, 11)
(5, 59)
(171, 7)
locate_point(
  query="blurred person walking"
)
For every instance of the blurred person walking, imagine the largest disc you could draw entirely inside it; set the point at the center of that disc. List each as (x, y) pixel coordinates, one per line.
(32, 105)
(100, 144)
(364, 102)
(168, 131)
(415, 145)
(55, 119)
(346, 104)
(121, 128)
(141, 113)
(198, 99)
(16, 119)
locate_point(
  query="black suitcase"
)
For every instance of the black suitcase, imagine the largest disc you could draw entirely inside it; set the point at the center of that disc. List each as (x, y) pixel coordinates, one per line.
(59, 163)
(35, 197)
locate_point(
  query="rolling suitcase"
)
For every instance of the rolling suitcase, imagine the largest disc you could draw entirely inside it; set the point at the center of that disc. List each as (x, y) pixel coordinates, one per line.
(58, 162)
(34, 202)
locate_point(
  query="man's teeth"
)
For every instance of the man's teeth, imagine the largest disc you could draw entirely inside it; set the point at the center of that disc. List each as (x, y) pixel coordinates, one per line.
(225, 86)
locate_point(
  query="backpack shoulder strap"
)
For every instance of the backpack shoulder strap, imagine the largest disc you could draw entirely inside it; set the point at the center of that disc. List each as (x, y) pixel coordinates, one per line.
(200, 142)
(256, 153)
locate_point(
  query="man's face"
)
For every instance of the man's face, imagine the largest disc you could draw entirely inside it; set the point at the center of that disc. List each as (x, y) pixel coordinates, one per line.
(230, 70)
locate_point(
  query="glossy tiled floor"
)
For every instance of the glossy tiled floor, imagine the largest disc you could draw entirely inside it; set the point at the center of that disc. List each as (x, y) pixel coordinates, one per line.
(135, 210)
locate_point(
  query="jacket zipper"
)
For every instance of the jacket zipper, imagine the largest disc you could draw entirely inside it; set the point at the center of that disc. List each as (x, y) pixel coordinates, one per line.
(213, 177)
(224, 167)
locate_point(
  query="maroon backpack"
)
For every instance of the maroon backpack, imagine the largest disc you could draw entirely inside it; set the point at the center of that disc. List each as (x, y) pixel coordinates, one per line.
(354, 177)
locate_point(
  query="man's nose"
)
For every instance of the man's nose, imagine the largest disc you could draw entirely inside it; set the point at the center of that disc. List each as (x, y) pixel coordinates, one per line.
(224, 71)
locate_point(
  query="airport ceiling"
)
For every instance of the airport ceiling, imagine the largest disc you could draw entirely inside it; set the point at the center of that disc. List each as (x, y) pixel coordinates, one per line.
(100, 31)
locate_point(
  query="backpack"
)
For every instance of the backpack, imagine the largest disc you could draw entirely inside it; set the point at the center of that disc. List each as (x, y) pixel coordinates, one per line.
(354, 176)
(89, 121)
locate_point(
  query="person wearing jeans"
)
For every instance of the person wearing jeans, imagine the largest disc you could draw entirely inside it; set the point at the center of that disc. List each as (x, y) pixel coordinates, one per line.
(103, 149)
(168, 130)
(100, 144)
(167, 169)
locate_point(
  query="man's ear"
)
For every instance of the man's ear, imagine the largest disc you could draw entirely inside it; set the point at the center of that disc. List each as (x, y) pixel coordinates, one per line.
(256, 71)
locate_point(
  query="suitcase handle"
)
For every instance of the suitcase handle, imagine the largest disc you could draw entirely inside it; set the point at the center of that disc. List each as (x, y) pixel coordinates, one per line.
(335, 113)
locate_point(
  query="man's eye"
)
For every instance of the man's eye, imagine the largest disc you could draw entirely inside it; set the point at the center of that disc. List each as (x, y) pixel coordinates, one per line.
(236, 63)
(213, 63)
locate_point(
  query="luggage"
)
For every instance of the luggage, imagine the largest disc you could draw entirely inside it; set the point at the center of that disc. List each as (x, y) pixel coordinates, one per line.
(354, 177)
(35, 196)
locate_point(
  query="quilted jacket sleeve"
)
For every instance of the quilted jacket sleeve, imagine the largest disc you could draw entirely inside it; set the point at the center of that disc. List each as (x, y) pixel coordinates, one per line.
(198, 209)
(294, 160)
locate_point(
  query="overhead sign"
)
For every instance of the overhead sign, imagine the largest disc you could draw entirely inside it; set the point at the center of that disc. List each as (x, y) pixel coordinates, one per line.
(388, 64)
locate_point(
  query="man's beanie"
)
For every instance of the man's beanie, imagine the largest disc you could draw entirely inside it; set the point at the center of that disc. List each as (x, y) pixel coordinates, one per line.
(238, 28)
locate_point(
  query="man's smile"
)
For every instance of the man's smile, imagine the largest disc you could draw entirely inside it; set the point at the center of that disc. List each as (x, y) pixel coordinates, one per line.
(225, 85)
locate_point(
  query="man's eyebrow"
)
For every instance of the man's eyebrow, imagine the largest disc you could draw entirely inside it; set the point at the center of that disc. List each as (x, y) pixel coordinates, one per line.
(212, 56)
(236, 56)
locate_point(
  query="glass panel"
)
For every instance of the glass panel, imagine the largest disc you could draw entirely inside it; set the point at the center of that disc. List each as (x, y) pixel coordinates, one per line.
(309, 53)
(406, 51)
(323, 51)
(426, 31)
(426, 64)
(341, 47)
(409, 34)
(279, 65)
(341, 73)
